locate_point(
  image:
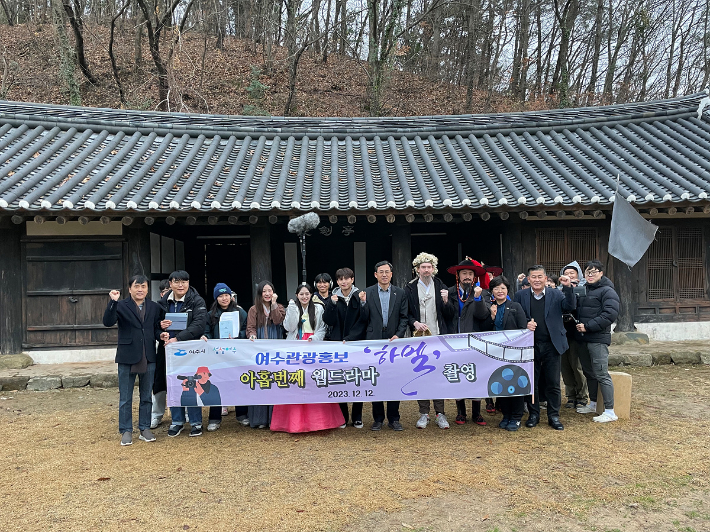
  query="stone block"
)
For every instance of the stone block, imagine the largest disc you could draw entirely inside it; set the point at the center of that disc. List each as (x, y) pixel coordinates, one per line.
(75, 381)
(44, 383)
(686, 357)
(14, 382)
(705, 358)
(104, 380)
(616, 359)
(622, 395)
(635, 359)
(661, 358)
(21, 361)
(620, 338)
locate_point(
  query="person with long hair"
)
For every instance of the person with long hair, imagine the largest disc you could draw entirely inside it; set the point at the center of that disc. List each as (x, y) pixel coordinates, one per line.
(224, 302)
(264, 321)
(304, 321)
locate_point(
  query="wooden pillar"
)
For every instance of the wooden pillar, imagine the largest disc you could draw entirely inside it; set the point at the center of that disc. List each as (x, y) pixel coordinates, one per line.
(512, 252)
(11, 288)
(624, 280)
(138, 250)
(401, 254)
(260, 242)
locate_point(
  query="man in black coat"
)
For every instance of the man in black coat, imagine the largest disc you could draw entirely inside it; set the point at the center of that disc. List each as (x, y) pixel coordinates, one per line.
(384, 310)
(596, 311)
(343, 314)
(139, 327)
(470, 304)
(543, 308)
(428, 314)
(182, 298)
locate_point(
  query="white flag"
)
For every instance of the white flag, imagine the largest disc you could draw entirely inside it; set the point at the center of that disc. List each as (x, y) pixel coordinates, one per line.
(631, 234)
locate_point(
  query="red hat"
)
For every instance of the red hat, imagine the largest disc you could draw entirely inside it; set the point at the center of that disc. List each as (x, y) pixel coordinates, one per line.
(468, 264)
(202, 369)
(495, 270)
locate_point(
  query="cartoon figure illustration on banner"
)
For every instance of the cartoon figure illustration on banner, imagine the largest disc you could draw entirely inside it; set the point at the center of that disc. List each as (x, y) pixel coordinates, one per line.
(197, 390)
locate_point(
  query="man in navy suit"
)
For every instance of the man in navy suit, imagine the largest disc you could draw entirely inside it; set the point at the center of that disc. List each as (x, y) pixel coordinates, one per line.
(543, 309)
(384, 309)
(139, 327)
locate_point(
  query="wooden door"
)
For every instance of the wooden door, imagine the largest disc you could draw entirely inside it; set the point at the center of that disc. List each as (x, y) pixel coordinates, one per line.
(66, 289)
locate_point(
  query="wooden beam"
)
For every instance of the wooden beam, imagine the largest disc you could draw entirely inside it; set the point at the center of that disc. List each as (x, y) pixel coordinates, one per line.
(390, 218)
(212, 220)
(39, 219)
(371, 218)
(233, 220)
(190, 220)
(485, 216)
(467, 217)
(428, 217)
(260, 242)
(127, 220)
(352, 219)
(409, 218)
(401, 254)
(11, 290)
(333, 219)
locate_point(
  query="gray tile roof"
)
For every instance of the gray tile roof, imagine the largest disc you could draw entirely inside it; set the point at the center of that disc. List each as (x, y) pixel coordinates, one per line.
(55, 158)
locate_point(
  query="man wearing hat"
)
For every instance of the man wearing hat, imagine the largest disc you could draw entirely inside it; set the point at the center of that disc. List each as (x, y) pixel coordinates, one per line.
(470, 300)
(428, 315)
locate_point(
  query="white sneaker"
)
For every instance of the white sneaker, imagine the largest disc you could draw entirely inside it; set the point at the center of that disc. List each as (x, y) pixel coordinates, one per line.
(586, 409)
(423, 421)
(155, 422)
(343, 426)
(245, 422)
(441, 421)
(605, 417)
(225, 411)
(212, 426)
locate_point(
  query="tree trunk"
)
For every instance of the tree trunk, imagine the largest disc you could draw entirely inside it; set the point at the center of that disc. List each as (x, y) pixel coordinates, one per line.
(592, 85)
(74, 15)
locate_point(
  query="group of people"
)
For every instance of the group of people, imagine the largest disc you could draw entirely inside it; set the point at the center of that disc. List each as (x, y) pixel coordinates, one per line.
(571, 324)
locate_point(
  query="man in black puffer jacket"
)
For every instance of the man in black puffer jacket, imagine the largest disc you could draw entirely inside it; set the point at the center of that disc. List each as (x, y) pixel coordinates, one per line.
(596, 311)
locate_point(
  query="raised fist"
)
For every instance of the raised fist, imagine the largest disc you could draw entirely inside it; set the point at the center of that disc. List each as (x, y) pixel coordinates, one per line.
(334, 298)
(114, 294)
(363, 297)
(565, 281)
(477, 292)
(445, 296)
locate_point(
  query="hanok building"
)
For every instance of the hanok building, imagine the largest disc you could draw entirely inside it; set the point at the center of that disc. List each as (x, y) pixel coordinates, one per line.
(89, 197)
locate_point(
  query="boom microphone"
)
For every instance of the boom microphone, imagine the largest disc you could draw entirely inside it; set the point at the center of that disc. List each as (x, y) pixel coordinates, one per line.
(304, 223)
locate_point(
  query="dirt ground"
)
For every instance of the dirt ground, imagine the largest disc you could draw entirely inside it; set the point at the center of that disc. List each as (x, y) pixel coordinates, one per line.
(63, 469)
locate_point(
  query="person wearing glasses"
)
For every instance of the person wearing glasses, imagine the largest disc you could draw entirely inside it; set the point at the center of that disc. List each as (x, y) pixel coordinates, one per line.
(182, 298)
(596, 311)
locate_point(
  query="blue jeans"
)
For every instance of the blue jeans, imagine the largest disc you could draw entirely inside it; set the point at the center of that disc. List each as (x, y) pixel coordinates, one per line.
(177, 413)
(126, 382)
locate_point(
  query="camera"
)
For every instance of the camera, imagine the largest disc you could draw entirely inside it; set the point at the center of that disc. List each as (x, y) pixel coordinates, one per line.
(580, 291)
(191, 381)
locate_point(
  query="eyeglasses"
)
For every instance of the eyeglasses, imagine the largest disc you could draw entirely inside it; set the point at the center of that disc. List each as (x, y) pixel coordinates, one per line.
(591, 272)
(176, 282)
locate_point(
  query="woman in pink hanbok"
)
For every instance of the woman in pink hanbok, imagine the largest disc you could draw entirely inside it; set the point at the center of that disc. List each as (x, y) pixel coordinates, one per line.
(304, 321)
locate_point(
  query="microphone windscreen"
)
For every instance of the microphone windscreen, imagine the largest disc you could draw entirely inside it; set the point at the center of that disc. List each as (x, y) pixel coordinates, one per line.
(304, 223)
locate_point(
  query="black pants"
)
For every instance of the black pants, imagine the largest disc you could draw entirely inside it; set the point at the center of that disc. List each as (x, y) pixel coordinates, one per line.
(160, 382)
(357, 411)
(378, 411)
(216, 412)
(512, 407)
(547, 373)
(475, 408)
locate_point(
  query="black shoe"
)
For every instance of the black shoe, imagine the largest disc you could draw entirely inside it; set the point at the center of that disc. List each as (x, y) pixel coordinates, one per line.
(570, 404)
(174, 430)
(532, 421)
(395, 425)
(196, 431)
(554, 422)
(512, 425)
(503, 424)
(377, 425)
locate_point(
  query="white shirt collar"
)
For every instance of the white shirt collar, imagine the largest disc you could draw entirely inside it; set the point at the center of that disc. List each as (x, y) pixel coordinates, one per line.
(171, 297)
